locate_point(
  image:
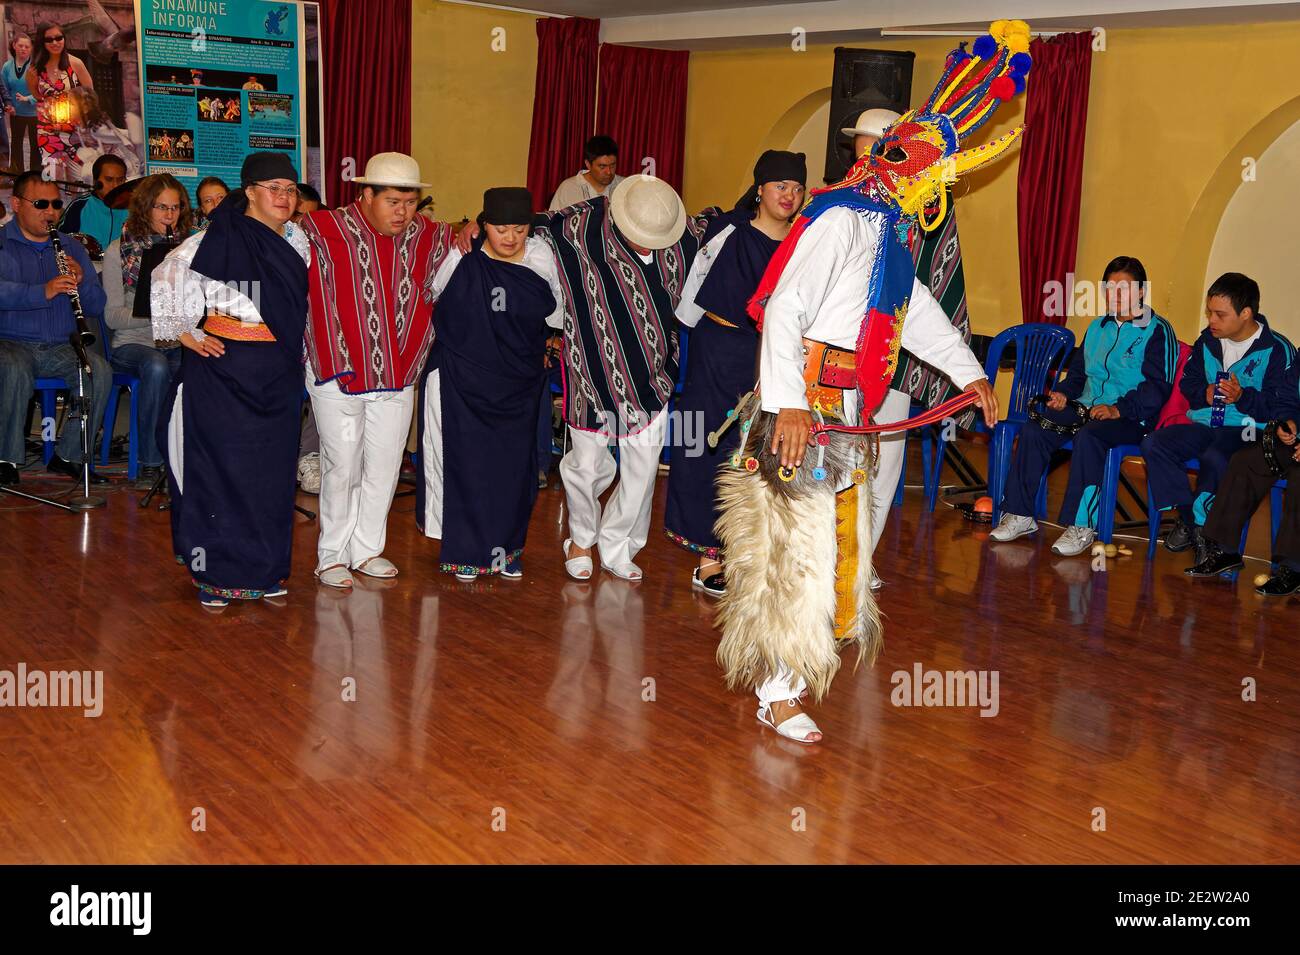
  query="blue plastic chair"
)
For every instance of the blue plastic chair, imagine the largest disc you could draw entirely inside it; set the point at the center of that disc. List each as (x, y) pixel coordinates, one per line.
(132, 385)
(1041, 351)
(1108, 493)
(1275, 512)
(1153, 520)
(683, 340)
(47, 389)
(932, 444)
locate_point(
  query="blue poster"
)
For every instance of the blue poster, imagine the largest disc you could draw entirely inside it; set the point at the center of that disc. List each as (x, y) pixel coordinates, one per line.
(221, 79)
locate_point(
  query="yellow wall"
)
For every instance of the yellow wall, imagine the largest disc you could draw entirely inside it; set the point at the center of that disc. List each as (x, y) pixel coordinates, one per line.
(1170, 114)
(471, 106)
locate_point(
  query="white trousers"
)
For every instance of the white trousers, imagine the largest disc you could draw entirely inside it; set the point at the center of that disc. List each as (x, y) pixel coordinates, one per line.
(431, 456)
(362, 438)
(588, 470)
(895, 407)
(780, 688)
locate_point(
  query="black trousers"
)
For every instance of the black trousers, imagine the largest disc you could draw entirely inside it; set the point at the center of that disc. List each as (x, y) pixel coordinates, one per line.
(23, 127)
(1241, 490)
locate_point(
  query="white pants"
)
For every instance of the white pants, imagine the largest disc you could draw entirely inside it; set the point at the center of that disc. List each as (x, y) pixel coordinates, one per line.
(895, 407)
(588, 470)
(780, 688)
(431, 456)
(362, 438)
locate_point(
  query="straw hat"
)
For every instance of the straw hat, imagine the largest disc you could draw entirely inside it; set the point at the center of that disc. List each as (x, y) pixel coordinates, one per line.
(392, 169)
(872, 122)
(648, 212)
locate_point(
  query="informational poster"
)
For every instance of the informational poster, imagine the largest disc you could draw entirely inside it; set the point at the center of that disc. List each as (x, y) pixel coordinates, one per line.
(221, 79)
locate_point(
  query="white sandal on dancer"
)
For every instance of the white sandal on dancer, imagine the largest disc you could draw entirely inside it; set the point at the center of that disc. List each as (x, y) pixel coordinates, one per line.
(376, 567)
(336, 576)
(579, 568)
(628, 571)
(798, 727)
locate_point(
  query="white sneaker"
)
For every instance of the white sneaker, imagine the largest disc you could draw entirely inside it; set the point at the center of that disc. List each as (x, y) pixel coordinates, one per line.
(309, 472)
(1012, 526)
(1074, 541)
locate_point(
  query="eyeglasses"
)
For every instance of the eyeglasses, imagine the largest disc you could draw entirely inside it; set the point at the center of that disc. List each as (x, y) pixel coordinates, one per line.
(287, 191)
(55, 39)
(160, 207)
(42, 203)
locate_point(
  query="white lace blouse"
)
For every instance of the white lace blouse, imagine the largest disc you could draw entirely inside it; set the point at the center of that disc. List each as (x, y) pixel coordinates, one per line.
(179, 297)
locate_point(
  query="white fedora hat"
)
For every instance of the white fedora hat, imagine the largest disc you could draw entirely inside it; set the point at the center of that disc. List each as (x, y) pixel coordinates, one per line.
(873, 122)
(392, 169)
(648, 211)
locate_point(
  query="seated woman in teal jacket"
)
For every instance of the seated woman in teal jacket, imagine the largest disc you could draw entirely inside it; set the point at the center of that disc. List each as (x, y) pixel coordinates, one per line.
(1122, 374)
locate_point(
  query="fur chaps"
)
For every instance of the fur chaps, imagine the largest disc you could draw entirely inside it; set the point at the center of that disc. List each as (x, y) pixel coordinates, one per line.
(782, 543)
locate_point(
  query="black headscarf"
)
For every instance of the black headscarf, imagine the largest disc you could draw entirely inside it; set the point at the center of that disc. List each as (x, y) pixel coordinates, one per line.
(237, 248)
(775, 165)
(507, 205)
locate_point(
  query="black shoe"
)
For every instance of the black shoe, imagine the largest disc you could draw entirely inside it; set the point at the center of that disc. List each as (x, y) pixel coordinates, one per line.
(1179, 538)
(8, 474)
(149, 474)
(1203, 548)
(1215, 563)
(1283, 583)
(60, 466)
(715, 585)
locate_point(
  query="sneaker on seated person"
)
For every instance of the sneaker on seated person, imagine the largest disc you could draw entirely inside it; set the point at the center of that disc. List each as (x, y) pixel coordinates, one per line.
(1074, 541)
(1012, 526)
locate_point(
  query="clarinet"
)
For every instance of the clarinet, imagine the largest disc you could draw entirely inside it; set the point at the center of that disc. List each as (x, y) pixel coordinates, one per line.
(81, 339)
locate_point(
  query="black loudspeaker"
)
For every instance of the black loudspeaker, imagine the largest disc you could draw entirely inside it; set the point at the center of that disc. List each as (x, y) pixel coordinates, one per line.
(864, 79)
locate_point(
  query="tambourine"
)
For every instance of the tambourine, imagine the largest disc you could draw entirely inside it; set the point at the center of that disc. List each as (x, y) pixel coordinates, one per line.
(1278, 456)
(1035, 409)
(94, 251)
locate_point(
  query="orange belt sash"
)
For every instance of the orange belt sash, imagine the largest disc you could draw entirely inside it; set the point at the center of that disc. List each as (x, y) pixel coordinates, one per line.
(223, 326)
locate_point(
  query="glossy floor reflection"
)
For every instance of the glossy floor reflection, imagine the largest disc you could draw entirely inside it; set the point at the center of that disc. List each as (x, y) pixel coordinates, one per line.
(410, 720)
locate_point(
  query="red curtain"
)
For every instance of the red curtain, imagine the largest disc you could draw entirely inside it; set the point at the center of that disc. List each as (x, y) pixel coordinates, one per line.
(1051, 168)
(643, 107)
(367, 105)
(563, 103)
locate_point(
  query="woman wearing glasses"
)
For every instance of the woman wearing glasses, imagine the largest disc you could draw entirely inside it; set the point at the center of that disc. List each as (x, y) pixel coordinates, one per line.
(159, 217)
(54, 78)
(235, 295)
(22, 105)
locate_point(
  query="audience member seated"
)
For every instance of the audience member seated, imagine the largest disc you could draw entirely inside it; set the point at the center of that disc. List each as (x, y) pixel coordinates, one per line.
(308, 201)
(210, 192)
(1234, 381)
(36, 324)
(600, 159)
(160, 217)
(88, 213)
(1122, 373)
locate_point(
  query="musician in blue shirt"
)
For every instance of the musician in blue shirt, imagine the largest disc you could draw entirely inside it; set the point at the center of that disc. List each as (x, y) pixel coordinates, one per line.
(36, 321)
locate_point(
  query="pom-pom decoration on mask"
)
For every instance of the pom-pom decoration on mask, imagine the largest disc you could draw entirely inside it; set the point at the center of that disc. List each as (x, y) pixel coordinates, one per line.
(905, 180)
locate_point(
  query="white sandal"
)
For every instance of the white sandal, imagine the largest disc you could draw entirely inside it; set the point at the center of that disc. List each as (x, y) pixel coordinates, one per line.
(575, 566)
(336, 576)
(628, 571)
(797, 727)
(376, 567)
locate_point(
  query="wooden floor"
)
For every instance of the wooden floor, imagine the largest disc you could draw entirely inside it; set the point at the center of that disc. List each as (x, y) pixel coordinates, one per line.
(523, 701)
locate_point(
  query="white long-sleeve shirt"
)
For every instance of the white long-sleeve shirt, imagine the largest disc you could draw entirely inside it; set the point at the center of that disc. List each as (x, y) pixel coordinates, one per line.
(537, 256)
(822, 295)
(180, 298)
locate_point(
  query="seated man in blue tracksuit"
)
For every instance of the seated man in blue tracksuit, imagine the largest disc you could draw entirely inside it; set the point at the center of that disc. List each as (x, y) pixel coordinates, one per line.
(1224, 412)
(1123, 373)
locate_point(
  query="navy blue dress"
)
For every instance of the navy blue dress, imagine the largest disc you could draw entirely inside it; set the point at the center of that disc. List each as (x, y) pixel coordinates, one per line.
(720, 368)
(489, 347)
